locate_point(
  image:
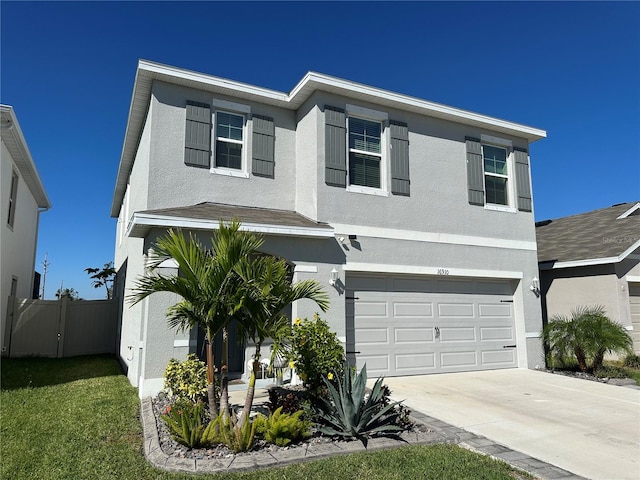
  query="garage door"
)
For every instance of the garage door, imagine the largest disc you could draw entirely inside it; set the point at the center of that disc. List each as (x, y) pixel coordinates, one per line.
(402, 325)
(634, 300)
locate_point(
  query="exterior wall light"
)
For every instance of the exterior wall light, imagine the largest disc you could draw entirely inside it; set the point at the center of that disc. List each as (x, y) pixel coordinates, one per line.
(535, 286)
(333, 277)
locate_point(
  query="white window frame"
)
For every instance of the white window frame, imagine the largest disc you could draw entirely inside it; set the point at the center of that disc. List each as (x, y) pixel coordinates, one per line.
(13, 198)
(354, 111)
(507, 145)
(240, 110)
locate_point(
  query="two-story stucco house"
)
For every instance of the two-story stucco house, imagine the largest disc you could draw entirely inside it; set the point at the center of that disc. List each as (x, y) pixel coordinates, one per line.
(23, 197)
(416, 216)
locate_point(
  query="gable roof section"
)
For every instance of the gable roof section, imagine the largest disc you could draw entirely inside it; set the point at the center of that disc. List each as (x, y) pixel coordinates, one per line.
(148, 72)
(592, 238)
(15, 142)
(206, 216)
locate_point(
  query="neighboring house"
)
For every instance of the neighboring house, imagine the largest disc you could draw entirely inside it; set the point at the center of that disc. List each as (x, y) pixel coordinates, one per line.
(23, 198)
(593, 259)
(417, 217)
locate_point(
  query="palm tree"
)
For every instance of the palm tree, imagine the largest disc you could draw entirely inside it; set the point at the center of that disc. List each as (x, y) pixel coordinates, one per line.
(209, 286)
(267, 281)
(587, 335)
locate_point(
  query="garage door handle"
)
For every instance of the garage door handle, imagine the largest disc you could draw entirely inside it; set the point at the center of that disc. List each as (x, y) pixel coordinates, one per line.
(357, 353)
(509, 346)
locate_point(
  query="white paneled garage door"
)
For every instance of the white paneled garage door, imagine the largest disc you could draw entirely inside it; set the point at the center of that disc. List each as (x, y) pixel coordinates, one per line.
(406, 325)
(634, 300)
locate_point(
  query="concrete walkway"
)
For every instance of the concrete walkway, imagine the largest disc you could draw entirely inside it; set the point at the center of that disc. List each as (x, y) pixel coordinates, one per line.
(588, 428)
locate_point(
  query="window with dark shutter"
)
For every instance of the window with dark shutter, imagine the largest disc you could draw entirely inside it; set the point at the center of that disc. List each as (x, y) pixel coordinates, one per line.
(263, 146)
(335, 147)
(475, 171)
(523, 181)
(400, 183)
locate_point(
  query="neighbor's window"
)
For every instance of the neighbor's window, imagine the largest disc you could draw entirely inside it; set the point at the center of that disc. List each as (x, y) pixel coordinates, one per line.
(365, 153)
(229, 137)
(13, 194)
(495, 174)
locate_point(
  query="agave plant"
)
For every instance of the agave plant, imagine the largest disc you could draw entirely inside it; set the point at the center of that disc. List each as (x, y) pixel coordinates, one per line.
(346, 413)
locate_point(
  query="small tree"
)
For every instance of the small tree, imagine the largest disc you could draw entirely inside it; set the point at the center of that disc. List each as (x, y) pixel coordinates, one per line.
(69, 293)
(587, 335)
(103, 277)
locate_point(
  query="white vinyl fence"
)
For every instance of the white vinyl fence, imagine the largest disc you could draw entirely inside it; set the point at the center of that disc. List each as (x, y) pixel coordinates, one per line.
(60, 328)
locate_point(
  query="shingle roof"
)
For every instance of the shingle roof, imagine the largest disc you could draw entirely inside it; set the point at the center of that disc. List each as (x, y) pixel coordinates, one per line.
(207, 215)
(592, 235)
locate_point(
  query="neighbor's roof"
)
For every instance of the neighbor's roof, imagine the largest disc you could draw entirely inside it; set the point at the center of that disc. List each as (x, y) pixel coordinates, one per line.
(15, 142)
(603, 236)
(148, 72)
(207, 216)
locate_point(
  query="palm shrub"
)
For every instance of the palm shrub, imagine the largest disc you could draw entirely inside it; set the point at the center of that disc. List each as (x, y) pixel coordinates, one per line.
(345, 412)
(283, 428)
(586, 336)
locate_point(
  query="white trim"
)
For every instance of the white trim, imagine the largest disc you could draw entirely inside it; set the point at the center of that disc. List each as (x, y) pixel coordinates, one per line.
(500, 208)
(305, 268)
(500, 142)
(629, 328)
(169, 263)
(633, 278)
(184, 343)
(378, 192)
(424, 270)
(431, 237)
(226, 105)
(367, 113)
(532, 334)
(150, 220)
(629, 212)
(231, 172)
(590, 261)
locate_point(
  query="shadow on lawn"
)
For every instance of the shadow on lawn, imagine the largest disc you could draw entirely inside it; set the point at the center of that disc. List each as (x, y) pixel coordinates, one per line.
(34, 372)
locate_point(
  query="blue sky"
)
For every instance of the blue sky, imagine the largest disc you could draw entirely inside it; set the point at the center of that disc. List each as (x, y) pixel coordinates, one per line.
(572, 69)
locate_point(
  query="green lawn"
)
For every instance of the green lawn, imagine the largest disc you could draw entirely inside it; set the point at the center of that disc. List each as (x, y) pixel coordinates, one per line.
(78, 419)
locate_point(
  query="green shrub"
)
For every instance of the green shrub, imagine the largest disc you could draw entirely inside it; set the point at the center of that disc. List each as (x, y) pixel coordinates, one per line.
(316, 353)
(632, 361)
(346, 413)
(238, 437)
(186, 380)
(185, 421)
(290, 401)
(283, 428)
(587, 336)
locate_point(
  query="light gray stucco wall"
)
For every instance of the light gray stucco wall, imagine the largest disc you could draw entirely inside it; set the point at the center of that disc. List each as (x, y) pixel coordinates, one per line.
(17, 243)
(172, 183)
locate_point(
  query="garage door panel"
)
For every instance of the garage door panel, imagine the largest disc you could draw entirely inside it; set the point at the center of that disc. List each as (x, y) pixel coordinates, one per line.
(403, 284)
(413, 335)
(494, 310)
(371, 309)
(455, 310)
(375, 363)
(505, 356)
(457, 334)
(459, 359)
(368, 336)
(496, 334)
(412, 362)
(413, 309)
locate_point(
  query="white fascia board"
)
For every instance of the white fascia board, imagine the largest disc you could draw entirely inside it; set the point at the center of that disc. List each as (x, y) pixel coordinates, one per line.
(141, 219)
(12, 133)
(629, 212)
(426, 270)
(633, 278)
(590, 261)
(431, 237)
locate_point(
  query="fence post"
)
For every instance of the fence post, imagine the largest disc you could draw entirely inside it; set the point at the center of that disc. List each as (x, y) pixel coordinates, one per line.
(62, 323)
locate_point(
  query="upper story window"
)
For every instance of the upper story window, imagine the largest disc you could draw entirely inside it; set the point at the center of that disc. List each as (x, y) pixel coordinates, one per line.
(229, 140)
(13, 197)
(365, 152)
(496, 174)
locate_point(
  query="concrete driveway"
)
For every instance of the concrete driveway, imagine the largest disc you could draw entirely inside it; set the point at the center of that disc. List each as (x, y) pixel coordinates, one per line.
(588, 428)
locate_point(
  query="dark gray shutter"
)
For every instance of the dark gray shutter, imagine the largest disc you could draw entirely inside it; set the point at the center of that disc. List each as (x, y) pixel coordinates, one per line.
(197, 143)
(263, 146)
(399, 158)
(475, 171)
(335, 149)
(523, 183)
